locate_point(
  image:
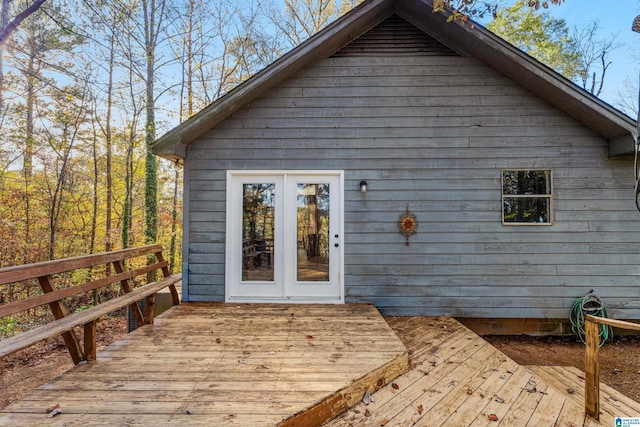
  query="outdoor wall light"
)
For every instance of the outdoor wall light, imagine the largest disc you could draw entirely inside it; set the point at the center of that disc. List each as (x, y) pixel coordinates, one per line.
(363, 186)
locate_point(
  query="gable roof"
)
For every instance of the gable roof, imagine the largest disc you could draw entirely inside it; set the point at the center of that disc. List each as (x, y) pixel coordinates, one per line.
(474, 41)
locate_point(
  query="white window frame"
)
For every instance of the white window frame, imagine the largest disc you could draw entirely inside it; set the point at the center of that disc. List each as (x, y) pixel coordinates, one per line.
(549, 196)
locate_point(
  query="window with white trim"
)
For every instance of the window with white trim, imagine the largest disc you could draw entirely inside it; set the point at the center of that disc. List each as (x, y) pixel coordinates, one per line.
(527, 197)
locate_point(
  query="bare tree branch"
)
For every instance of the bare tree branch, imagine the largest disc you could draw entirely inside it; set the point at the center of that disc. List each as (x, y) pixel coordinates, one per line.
(7, 30)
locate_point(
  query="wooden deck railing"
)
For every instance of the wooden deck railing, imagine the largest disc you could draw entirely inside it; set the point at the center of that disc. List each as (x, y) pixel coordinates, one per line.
(65, 323)
(591, 362)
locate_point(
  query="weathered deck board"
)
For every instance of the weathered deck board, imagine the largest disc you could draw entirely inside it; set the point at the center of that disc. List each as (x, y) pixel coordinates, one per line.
(213, 364)
(612, 403)
(458, 379)
(277, 365)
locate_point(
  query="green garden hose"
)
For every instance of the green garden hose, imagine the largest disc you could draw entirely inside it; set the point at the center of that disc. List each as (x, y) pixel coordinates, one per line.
(593, 305)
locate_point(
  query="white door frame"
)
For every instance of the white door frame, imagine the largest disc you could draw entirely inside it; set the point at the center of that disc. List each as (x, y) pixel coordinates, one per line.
(284, 287)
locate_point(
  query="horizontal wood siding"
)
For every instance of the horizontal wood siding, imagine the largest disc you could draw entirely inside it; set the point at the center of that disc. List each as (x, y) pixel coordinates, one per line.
(432, 133)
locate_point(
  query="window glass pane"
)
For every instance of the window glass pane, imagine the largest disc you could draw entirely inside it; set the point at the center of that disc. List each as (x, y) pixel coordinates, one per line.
(527, 210)
(313, 233)
(520, 182)
(258, 223)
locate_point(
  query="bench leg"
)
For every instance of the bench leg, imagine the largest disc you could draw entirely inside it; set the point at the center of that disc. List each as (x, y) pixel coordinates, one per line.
(174, 295)
(90, 331)
(59, 311)
(150, 306)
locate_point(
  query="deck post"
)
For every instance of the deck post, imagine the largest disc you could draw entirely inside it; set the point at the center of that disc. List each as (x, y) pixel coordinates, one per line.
(150, 307)
(126, 287)
(592, 370)
(166, 273)
(90, 347)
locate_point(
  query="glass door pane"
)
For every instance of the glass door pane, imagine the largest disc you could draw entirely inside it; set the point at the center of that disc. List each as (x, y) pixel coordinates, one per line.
(312, 241)
(258, 225)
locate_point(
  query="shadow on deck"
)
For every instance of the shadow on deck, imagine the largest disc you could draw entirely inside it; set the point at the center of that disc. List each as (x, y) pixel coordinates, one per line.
(293, 365)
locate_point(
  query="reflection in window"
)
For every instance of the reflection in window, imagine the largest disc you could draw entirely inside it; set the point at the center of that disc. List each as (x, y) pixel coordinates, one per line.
(526, 197)
(258, 224)
(313, 233)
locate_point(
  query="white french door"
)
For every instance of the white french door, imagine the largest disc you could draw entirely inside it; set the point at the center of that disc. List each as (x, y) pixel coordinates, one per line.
(284, 236)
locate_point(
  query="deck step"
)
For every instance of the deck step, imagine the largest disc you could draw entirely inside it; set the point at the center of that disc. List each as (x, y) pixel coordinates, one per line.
(459, 379)
(569, 381)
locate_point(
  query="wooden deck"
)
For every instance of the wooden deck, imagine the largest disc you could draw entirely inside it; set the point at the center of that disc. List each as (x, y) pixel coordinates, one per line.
(459, 379)
(570, 382)
(218, 364)
(280, 365)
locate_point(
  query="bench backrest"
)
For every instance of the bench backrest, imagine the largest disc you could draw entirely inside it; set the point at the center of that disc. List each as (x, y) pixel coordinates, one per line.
(46, 274)
(45, 271)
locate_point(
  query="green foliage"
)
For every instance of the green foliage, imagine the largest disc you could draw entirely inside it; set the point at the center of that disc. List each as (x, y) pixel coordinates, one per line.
(7, 326)
(541, 36)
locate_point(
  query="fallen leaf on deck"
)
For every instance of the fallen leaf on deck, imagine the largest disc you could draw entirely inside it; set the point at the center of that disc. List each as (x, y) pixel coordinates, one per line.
(191, 411)
(53, 408)
(492, 417)
(531, 386)
(218, 340)
(367, 398)
(55, 412)
(571, 391)
(309, 337)
(367, 413)
(384, 422)
(395, 386)
(499, 398)
(420, 409)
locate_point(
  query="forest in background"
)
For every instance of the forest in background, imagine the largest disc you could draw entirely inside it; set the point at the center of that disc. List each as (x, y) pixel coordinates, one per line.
(87, 85)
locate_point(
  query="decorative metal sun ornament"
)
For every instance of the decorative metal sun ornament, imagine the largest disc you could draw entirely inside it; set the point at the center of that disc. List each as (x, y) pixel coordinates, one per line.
(408, 225)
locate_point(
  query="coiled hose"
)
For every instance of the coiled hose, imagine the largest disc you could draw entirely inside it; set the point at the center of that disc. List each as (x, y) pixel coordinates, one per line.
(593, 305)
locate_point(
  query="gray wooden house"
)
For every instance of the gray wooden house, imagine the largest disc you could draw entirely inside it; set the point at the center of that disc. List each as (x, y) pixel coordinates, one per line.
(495, 188)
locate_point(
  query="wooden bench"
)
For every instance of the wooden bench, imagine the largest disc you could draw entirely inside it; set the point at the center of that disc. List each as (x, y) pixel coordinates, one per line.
(251, 256)
(65, 323)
